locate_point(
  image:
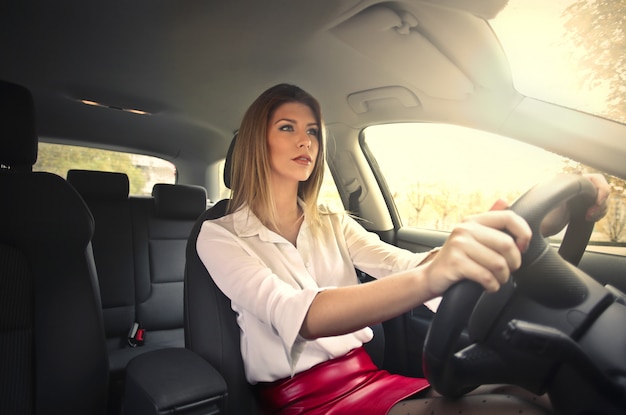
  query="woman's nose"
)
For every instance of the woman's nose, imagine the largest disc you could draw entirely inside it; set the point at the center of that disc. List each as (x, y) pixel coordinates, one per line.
(304, 141)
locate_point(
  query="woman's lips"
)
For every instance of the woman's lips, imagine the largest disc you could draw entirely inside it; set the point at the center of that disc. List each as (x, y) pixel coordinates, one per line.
(306, 160)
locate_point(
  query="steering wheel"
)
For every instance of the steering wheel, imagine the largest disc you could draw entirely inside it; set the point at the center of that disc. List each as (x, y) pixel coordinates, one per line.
(518, 335)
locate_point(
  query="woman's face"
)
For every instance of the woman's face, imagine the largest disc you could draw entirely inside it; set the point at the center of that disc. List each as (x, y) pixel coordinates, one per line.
(293, 142)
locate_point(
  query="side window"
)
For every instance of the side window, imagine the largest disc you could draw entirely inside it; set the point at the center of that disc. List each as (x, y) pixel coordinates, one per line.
(444, 173)
(143, 171)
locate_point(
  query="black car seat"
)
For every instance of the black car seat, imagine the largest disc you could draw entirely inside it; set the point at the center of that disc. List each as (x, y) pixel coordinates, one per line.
(52, 350)
(139, 249)
(211, 328)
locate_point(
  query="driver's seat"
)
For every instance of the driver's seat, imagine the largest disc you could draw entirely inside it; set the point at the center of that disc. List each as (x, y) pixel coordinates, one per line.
(211, 328)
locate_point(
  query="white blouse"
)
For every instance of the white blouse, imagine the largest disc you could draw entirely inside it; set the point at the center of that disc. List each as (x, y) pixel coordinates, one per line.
(271, 284)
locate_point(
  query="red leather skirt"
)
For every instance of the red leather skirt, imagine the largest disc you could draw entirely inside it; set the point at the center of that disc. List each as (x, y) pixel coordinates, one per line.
(350, 384)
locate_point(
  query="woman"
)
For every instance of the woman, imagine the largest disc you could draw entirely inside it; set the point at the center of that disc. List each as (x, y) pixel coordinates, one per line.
(287, 266)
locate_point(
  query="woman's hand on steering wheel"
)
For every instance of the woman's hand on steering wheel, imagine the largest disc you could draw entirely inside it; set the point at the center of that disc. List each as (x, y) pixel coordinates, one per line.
(478, 250)
(556, 220)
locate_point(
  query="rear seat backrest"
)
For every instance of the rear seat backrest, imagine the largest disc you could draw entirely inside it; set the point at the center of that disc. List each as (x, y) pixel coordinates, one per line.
(106, 195)
(161, 229)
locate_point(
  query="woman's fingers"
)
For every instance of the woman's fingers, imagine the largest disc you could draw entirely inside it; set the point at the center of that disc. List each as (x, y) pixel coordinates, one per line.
(478, 262)
(599, 209)
(509, 222)
(478, 250)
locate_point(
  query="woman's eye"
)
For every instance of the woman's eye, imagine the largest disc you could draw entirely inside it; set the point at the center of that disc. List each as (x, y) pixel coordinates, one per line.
(286, 127)
(314, 132)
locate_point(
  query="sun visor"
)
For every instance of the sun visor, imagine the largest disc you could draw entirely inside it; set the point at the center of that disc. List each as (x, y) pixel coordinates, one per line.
(392, 39)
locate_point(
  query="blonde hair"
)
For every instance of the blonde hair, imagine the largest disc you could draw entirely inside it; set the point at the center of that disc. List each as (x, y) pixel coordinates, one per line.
(250, 164)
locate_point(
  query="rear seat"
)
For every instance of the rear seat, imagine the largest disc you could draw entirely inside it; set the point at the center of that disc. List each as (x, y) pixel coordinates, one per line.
(139, 250)
(162, 225)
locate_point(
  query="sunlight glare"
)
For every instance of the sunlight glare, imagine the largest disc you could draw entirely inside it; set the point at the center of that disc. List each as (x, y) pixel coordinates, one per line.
(541, 55)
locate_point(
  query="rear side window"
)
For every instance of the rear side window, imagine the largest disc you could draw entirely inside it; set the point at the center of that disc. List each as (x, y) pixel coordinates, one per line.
(143, 171)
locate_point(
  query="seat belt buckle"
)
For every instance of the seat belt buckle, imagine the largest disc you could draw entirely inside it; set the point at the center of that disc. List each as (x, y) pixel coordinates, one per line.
(136, 335)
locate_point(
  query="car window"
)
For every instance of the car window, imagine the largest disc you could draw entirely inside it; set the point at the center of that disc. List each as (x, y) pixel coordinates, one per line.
(143, 171)
(438, 174)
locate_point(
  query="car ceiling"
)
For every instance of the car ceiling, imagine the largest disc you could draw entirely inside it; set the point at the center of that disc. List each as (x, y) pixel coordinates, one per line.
(196, 65)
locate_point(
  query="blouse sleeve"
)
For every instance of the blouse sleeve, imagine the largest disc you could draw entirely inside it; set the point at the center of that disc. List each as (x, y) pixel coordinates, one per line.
(372, 255)
(252, 286)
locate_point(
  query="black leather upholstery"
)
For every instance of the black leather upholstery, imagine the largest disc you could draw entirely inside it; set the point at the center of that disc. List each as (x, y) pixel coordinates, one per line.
(52, 347)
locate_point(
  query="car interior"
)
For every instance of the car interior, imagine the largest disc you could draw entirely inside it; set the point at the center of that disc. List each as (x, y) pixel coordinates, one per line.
(106, 306)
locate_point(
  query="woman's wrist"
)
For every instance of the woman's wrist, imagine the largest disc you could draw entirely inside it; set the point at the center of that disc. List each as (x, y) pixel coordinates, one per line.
(423, 289)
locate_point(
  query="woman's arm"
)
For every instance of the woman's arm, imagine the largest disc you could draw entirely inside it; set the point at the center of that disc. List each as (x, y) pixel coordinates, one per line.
(475, 250)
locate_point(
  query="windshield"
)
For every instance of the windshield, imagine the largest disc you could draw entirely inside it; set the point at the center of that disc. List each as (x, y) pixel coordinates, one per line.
(572, 53)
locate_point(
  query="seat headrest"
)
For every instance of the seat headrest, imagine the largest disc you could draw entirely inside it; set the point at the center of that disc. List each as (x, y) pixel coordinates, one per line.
(18, 136)
(179, 201)
(99, 185)
(228, 162)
